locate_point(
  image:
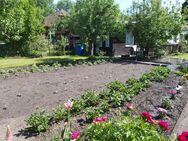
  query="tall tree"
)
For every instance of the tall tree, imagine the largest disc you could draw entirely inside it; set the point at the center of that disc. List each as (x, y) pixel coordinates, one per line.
(153, 24)
(46, 5)
(94, 19)
(66, 5)
(19, 20)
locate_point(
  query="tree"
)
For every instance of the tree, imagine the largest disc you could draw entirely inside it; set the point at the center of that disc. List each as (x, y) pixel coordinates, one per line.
(153, 24)
(94, 19)
(66, 5)
(19, 21)
(46, 5)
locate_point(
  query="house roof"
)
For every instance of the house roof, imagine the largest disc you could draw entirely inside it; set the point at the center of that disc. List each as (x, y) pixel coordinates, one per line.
(51, 19)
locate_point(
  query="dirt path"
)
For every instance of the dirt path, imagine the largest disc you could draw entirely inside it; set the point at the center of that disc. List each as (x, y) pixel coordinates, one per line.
(20, 96)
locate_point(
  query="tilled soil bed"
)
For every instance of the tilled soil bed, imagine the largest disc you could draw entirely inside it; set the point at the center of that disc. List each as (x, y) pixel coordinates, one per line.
(20, 96)
(148, 100)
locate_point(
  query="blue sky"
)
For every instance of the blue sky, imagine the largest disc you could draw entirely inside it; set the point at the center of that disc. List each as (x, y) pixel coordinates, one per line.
(124, 4)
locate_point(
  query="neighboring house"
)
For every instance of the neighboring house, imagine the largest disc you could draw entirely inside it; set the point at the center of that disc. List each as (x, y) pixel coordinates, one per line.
(51, 21)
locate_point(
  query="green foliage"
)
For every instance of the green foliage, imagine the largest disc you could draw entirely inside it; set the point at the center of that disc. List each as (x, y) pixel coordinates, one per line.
(19, 21)
(167, 103)
(91, 113)
(59, 113)
(123, 129)
(39, 121)
(38, 46)
(90, 98)
(153, 23)
(66, 5)
(47, 6)
(62, 43)
(78, 105)
(89, 20)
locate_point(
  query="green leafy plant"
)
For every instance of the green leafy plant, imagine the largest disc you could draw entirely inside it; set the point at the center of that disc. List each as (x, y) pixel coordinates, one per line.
(91, 113)
(39, 121)
(124, 129)
(78, 105)
(167, 103)
(59, 113)
(90, 98)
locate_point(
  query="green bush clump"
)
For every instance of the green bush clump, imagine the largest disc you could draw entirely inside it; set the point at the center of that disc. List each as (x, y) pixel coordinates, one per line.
(39, 121)
(59, 113)
(39, 46)
(123, 129)
(90, 98)
(78, 105)
(92, 112)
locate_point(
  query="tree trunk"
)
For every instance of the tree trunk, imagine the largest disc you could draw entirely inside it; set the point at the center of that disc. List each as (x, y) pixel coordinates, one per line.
(91, 48)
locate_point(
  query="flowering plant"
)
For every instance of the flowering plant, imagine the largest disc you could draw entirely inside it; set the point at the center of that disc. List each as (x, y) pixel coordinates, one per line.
(148, 117)
(164, 125)
(130, 106)
(162, 112)
(75, 135)
(8, 136)
(102, 119)
(183, 137)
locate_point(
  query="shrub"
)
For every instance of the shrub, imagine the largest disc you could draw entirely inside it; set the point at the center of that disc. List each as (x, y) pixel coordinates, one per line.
(59, 113)
(123, 129)
(92, 113)
(78, 105)
(39, 121)
(38, 46)
(90, 98)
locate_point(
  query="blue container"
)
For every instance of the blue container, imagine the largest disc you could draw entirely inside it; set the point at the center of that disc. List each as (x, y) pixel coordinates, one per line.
(79, 49)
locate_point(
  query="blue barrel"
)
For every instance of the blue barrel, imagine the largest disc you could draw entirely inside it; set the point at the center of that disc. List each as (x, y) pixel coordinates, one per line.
(79, 49)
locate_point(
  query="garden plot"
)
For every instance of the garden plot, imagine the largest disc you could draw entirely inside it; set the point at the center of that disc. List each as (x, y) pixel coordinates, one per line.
(23, 95)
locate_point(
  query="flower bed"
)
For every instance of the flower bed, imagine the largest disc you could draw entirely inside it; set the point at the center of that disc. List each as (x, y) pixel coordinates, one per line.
(115, 100)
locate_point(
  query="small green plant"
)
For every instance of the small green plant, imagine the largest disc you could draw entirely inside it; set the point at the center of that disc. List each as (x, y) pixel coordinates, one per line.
(116, 99)
(55, 139)
(167, 103)
(39, 121)
(92, 113)
(104, 106)
(59, 113)
(117, 86)
(90, 98)
(78, 105)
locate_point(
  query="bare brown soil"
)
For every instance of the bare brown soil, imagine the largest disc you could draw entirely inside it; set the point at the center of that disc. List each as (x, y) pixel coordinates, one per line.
(20, 96)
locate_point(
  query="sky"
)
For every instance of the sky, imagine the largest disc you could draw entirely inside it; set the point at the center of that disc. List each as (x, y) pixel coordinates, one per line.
(125, 4)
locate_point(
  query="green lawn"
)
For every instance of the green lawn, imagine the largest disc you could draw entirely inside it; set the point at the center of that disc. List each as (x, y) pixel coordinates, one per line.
(18, 62)
(180, 56)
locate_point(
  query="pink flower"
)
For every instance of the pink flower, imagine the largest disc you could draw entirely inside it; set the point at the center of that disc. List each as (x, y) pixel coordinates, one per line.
(162, 110)
(183, 137)
(75, 135)
(68, 105)
(130, 106)
(173, 92)
(102, 119)
(148, 117)
(8, 136)
(163, 124)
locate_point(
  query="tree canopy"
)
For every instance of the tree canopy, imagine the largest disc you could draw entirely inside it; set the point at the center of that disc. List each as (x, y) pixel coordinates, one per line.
(66, 5)
(153, 24)
(94, 20)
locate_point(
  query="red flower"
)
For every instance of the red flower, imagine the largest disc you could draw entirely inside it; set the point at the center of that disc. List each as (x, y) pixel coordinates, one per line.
(102, 119)
(163, 124)
(75, 135)
(148, 117)
(183, 137)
